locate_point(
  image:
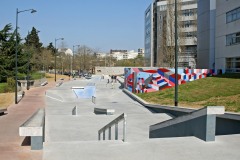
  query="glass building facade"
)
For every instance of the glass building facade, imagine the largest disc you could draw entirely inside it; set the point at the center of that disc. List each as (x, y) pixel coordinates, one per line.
(148, 37)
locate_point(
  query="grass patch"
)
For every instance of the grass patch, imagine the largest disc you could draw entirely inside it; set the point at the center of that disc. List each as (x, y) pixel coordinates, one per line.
(37, 75)
(3, 87)
(223, 90)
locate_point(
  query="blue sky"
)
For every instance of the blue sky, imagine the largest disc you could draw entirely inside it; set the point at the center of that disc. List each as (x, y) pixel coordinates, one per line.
(99, 24)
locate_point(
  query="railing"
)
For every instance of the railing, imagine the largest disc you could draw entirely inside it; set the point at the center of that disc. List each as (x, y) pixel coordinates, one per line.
(122, 117)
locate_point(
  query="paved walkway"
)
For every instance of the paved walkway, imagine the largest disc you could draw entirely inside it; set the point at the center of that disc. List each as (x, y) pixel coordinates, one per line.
(12, 146)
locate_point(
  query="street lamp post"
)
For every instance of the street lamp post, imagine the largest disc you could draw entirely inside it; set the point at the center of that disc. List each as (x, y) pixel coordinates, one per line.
(16, 48)
(56, 39)
(28, 65)
(73, 58)
(176, 56)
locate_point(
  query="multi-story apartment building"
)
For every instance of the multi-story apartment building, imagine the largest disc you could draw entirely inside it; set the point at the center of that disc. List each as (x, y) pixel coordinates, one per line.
(219, 34)
(227, 42)
(159, 33)
(141, 52)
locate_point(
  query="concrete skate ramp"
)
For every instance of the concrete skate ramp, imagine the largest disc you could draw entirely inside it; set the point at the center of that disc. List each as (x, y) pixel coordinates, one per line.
(87, 92)
(200, 123)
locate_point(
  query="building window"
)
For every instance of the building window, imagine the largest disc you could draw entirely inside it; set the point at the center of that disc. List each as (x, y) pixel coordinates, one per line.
(189, 12)
(187, 24)
(233, 15)
(233, 64)
(232, 39)
(189, 34)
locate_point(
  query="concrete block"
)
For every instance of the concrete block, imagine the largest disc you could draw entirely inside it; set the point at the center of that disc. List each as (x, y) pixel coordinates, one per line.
(74, 111)
(200, 123)
(104, 111)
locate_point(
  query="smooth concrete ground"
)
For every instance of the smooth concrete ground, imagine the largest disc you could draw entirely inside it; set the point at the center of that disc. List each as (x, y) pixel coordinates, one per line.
(75, 137)
(78, 139)
(61, 125)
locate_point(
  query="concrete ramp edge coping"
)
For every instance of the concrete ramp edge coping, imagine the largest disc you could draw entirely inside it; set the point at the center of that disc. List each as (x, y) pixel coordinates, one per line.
(138, 99)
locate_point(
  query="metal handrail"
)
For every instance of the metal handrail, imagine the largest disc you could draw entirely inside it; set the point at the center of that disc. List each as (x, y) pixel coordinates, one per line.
(122, 117)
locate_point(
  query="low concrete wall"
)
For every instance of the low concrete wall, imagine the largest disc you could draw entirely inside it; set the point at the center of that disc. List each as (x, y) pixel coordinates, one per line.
(134, 97)
(109, 70)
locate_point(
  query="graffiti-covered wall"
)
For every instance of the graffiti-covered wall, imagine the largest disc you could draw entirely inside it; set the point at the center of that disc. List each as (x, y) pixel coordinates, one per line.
(141, 80)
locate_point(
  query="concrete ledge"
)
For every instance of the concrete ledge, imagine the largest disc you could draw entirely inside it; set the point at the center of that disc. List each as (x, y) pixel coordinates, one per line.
(200, 123)
(44, 83)
(34, 125)
(104, 111)
(136, 98)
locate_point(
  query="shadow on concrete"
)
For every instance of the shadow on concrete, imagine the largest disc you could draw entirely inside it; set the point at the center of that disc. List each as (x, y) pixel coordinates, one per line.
(26, 141)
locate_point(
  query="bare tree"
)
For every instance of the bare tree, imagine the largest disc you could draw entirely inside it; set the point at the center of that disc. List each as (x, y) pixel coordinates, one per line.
(166, 35)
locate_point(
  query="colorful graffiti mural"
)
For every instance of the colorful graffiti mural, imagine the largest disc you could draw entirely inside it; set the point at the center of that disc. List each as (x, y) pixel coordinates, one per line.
(140, 80)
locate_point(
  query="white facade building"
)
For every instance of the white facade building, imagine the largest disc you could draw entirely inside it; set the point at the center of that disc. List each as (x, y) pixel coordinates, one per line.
(227, 42)
(123, 54)
(141, 52)
(219, 34)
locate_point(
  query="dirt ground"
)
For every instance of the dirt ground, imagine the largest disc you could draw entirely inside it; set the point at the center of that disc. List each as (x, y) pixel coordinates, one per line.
(6, 99)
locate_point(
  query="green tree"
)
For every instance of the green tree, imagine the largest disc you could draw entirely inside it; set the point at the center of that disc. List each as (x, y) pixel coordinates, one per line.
(34, 49)
(7, 54)
(33, 40)
(51, 48)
